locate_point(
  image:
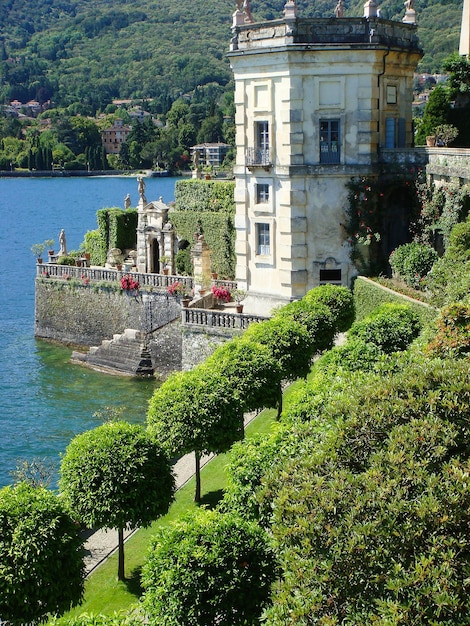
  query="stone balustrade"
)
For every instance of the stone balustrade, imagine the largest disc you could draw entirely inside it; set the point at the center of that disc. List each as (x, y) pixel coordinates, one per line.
(213, 318)
(156, 281)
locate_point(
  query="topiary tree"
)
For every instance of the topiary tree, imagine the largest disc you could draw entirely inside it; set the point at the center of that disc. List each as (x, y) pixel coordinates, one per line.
(339, 300)
(194, 412)
(252, 370)
(116, 476)
(208, 568)
(41, 561)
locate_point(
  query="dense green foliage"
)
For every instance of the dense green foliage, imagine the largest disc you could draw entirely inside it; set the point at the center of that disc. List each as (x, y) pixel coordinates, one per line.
(253, 371)
(116, 476)
(372, 519)
(449, 279)
(41, 567)
(117, 228)
(69, 51)
(208, 568)
(391, 327)
(452, 337)
(194, 412)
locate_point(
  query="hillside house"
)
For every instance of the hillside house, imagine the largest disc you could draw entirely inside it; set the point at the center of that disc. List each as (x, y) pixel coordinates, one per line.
(317, 101)
(113, 137)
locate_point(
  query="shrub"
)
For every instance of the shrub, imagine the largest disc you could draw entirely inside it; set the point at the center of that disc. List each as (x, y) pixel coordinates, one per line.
(66, 260)
(391, 327)
(373, 521)
(449, 279)
(184, 265)
(452, 338)
(412, 262)
(208, 568)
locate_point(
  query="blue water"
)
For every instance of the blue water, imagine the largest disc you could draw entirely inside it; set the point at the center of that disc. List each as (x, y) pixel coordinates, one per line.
(44, 400)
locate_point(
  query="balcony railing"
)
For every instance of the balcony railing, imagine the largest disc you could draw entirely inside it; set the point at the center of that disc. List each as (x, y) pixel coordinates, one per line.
(156, 281)
(258, 157)
(218, 319)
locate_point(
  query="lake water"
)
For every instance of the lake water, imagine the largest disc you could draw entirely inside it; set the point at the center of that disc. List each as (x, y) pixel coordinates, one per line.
(44, 400)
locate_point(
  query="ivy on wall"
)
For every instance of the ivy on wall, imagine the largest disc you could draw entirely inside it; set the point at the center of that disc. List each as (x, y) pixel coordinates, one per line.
(208, 205)
(205, 195)
(367, 211)
(440, 208)
(219, 234)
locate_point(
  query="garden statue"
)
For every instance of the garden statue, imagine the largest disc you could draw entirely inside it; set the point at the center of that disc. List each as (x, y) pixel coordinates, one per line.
(127, 201)
(62, 243)
(339, 9)
(141, 188)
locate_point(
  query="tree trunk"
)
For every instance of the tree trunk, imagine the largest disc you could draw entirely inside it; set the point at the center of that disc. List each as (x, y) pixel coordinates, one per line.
(279, 406)
(121, 554)
(197, 495)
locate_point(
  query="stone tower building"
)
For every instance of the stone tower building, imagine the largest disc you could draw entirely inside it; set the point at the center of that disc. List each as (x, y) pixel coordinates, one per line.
(317, 100)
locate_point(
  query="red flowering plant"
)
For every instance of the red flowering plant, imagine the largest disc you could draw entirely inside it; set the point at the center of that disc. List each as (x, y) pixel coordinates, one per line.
(129, 284)
(178, 289)
(221, 293)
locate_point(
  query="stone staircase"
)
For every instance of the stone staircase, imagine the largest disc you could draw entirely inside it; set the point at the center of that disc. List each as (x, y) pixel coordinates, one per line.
(124, 354)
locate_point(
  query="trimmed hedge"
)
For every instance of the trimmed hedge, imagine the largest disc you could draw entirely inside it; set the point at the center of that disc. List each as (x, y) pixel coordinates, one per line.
(368, 295)
(118, 227)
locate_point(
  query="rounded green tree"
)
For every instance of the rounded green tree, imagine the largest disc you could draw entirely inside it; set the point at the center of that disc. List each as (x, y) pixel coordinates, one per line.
(41, 561)
(194, 412)
(208, 568)
(116, 476)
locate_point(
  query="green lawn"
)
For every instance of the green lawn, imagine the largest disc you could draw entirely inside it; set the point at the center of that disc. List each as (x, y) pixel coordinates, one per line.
(103, 592)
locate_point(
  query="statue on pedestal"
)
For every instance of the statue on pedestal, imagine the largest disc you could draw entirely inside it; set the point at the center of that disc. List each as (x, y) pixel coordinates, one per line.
(62, 243)
(141, 189)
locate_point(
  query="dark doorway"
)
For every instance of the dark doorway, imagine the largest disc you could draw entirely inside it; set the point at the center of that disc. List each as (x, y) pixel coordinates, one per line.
(155, 257)
(396, 225)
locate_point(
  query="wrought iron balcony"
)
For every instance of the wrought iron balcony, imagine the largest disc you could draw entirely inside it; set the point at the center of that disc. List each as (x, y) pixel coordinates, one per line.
(258, 157)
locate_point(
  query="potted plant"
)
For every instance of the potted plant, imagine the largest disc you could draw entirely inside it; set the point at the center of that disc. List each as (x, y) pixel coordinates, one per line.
(37, 249)
(165, 260)
(49, 243)
(445, 134)
(222, 294)
(238, 295)
(180, 289)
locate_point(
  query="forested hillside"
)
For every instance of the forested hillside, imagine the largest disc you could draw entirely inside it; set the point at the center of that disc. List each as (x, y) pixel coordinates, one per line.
(93, 51)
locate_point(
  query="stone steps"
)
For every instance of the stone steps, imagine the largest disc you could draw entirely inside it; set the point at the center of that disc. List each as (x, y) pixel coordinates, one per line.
(125, 354)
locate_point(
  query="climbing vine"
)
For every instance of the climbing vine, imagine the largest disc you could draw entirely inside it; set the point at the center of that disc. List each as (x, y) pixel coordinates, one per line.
(440, 208)
(367, 210)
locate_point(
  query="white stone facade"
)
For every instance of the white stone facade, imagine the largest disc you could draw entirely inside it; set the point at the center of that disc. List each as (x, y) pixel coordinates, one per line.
(316, 100)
